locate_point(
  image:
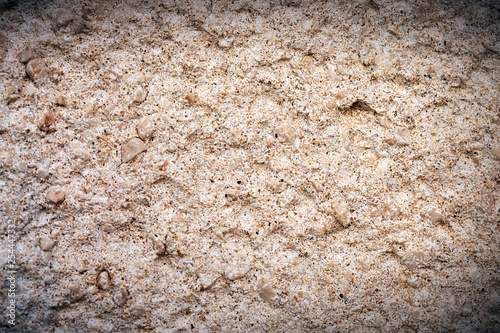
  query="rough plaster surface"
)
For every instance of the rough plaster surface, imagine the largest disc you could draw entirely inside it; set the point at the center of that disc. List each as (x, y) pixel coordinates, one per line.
(251, 166)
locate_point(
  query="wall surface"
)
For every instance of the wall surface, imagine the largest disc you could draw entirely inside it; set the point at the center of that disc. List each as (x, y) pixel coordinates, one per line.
(250, 166)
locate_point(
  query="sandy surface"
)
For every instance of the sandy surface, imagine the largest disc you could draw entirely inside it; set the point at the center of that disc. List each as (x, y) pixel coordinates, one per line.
(244, 166)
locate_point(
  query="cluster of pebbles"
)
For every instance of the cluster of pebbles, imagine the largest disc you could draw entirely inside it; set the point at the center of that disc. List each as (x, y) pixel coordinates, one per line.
(251, 166)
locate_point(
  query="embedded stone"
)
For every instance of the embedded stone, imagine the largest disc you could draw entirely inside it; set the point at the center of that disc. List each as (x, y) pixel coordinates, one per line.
(132, 148)
(145, 128)
(27, 54)
(37, 70)
(55, 194)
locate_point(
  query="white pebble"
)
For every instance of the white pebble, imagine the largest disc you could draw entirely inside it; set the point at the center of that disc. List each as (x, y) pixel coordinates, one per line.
(236, 272)
(487, 201)
(378, 320)
(140, 95)
(13, 90)
(496, 153)
(75, 292)
(158, 245)
(455, 82)
(47, 121)
(121, 296)
(103, 280)
(415, 259)
(226, 43)
(191, 98)
(55, 233)
(55, 194)
(145, 128)
(46, 244)
(342, 212)
(402, 137)
(61, 100)
(37, 69)
(264, 288)
(434, 216)
(132, 148)
(79, 151)
(27, 54)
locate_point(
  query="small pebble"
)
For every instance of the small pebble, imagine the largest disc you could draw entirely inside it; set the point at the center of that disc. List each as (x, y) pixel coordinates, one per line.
(121, 296)
(415, 259)
(55, 233)
(140, 95)
(37, 70)
(61, 17)
(61, 100)
(75, 293)
(132, 148)
(487, 201)
(265, 289)
(434, 216)
(79, 25)
(455, 82)
(158, 245)
(236, 272)
(402, 137)
(103, 281)
(47, 121)
(191, 98)
(46, 243)
(378, 320)
(145, 128)
(27, 54)
(226, 43)
(14, 90)
(55, 194)
(138, 310)
(343, 215)
(496, 153)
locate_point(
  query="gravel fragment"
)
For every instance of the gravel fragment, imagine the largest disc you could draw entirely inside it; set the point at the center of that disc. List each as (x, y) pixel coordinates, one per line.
(55, 194)
(236, 272)
(132, 148)
(342, 213)
(47, 121)
(37, 70)
(402, 137)
(226, 43)
(191, 98)
(434, 216)
(158, 245)
(140, 95)
(121, 296)
(27, 54)
(14, 89)
(145, 128)
(496, 153)
(416, 259)
(46, 243)
(75, 292)
(487, 201)
(61, 100)
(103, 280)
(264, 288)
